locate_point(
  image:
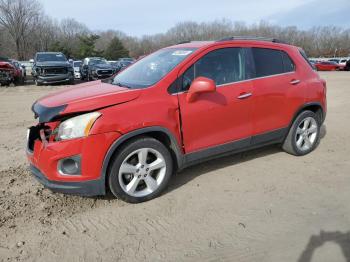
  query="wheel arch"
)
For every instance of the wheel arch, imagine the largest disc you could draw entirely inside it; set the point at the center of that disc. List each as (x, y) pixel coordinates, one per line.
(160, 133)
(315, 107)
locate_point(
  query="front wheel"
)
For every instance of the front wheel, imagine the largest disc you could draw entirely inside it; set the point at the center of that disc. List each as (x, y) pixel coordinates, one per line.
(140, 170)
(37, 82)
(304, 135)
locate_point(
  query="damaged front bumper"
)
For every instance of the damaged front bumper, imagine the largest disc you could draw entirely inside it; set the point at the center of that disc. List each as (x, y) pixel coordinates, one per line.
(48, 160)
(5, 77)
(55, 79)
(85, 188)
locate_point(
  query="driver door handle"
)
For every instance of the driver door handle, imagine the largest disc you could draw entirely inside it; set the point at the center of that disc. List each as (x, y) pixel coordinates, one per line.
(294, 82)
(244, 95)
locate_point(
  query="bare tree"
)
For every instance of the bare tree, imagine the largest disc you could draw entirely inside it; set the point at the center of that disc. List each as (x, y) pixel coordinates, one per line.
(25, 29)
(18, 17)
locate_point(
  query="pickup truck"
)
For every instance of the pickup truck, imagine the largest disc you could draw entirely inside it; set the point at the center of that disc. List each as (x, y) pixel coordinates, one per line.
(52, 67)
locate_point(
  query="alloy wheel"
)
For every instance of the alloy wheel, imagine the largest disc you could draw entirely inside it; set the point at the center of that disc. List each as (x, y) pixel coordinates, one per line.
(306, 134)
(142, 172)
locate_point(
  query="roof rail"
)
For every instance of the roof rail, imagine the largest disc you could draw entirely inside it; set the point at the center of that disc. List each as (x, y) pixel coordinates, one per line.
(184, 42)
(256, 38)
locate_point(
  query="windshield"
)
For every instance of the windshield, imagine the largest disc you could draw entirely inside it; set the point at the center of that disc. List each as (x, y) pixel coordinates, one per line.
(50, 57)
(149, 70)
(97, 61)
(77, 64)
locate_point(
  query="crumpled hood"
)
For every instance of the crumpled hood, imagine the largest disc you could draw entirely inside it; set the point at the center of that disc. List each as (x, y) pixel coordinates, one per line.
(81, 98)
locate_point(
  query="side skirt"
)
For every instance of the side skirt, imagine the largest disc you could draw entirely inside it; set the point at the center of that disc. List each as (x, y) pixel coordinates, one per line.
(273, 137)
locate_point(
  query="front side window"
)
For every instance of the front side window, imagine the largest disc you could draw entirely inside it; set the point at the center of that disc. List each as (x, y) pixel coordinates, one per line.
(224, 66)
(152, 68)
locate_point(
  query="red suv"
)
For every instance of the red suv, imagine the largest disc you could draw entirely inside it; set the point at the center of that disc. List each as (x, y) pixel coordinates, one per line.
(176, 107)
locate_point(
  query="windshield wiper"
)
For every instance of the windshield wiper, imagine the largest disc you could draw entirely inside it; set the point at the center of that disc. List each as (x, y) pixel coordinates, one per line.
(121, 85)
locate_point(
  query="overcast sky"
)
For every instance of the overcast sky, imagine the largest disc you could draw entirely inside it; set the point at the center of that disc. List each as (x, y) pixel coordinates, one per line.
(142, 17)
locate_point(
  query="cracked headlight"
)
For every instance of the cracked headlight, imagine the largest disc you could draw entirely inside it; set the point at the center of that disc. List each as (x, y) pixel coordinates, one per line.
(78, 126)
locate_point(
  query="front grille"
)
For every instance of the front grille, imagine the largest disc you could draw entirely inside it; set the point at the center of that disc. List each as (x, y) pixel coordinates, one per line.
(34, 134)
(55, 71)
(104, 72)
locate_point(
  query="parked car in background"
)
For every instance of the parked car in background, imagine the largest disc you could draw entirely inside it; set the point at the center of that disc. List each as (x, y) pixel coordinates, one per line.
(335, 60)
(124, 64)
(339, 61)
(120, 65)
(328, 66)
(28, 67)
(20, 73)
(76, 66)
(115, 65)
(52, 67)
(94, 68)
(347, 65)
(342, 62)
(126, 59)
(7, 72)
(174, 108)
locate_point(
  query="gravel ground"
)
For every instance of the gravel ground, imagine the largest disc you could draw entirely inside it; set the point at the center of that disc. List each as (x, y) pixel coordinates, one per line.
(262, 205)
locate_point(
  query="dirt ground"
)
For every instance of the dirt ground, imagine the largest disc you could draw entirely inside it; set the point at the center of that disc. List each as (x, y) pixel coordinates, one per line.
(263, 205)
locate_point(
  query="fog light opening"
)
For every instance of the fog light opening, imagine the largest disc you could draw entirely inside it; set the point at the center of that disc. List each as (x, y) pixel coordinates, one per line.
(69, 166)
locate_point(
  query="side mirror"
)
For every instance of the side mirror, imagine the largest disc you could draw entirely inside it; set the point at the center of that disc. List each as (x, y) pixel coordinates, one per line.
(198, 86)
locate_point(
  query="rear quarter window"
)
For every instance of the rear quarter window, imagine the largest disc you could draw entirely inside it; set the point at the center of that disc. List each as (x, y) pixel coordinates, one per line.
(303, 54)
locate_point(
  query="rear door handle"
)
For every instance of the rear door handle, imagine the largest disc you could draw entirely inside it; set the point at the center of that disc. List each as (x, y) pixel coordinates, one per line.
(294, 82)
(244, 95)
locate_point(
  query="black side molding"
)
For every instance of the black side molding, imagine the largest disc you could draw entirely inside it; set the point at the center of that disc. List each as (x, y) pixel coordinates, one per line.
(272, 137)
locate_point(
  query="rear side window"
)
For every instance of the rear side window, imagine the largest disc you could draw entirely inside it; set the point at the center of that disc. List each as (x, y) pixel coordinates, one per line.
(267, 62)
(224, 66)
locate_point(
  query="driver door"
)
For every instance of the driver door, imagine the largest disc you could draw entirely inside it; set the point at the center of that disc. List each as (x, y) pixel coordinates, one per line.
(225, 115)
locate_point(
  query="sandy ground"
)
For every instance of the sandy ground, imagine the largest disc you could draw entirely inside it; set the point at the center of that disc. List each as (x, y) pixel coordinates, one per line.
(263, 205)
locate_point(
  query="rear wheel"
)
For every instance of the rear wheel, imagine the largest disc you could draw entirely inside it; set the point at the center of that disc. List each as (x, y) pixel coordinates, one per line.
(141, 170)
(304, 135)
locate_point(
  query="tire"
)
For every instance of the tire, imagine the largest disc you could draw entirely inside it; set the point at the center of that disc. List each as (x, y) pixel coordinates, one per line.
(36, 82)
(89, 78)
(143, 182)
(304, 134)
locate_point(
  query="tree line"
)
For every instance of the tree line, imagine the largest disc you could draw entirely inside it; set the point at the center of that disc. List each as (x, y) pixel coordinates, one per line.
(25, 29)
